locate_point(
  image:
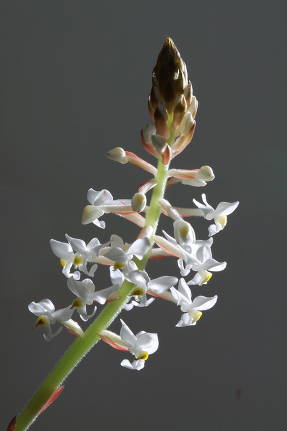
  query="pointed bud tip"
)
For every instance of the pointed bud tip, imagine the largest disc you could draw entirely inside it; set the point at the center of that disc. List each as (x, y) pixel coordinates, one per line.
(117, 154)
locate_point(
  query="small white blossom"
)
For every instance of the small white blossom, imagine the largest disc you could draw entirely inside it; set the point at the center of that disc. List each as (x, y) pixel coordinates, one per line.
(104, 295)
(47, 316)
(140, 345)
(192, 309)
(85, 292)
(193, 254)
(121, 254)
(102, 202)
(76, 253)
(219, 214)
(158, 287)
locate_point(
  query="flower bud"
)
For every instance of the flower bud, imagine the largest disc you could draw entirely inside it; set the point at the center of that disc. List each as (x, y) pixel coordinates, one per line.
(169, 77)
(206, 173)
(118, 154)
(138, 202)
(158, 142)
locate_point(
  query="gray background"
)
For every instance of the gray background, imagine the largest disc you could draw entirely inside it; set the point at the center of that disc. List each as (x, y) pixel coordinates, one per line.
(75, 77)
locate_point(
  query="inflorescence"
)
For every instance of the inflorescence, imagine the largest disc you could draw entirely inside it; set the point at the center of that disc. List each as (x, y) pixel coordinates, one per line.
(172, 107)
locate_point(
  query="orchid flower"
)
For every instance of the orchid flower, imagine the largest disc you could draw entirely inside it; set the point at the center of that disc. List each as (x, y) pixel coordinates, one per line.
(192, 309)
(121, 254)
(76, 253)
(48, 316)
(85, 295)
(158, 287)
(107, 294)
(102, 202)
(219, 214)
(140, 345)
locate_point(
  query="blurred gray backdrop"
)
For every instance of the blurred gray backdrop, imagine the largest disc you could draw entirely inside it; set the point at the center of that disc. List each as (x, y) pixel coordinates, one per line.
(75, 77)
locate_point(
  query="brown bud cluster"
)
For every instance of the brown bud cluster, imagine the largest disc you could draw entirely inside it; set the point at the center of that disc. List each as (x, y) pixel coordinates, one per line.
(172, 105)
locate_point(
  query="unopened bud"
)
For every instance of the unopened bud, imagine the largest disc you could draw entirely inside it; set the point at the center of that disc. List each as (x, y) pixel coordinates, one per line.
(138, 202)
(169, 75)
(160, 121)
(158, 142)
(118, 154)
(179, 111)
(206, 173)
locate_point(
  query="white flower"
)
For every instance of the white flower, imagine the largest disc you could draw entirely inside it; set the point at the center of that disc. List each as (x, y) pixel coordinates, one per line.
(192, 309)
(202, 262)
(193, 254)
(158, 287)
(121, 254)
(102, 202)
(104, 295)
(140, 345)
(219, 214)
(85, 293)
(47, 316)
(76, 253)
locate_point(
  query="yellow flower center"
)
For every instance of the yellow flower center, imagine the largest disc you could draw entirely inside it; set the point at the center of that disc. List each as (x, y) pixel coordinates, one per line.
(143, 355)
(138, 291)
(41, 321)
(184, 231)
(78, 260)
(119, 265)
(63, 262)
(77, 303)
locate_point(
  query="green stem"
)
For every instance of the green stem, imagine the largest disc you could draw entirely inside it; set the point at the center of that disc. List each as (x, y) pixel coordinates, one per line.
(81, 346)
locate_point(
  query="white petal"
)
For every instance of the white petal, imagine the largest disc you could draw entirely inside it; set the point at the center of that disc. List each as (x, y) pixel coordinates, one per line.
(147, 342)
(127, 335)
(117, 276)
(214, 229)
(63, 314)
(99, 197)
(61, 249)
(172, 249)
(161, 284)
(77, 244)
(185, 320)
(100, 223)
(116, 241)
(101, 296)
(42, 307)
(139, 247)
(135, 365)
(91, 213)
(184, 290)
(201, 303)
(196, 280)
(214, 265)
(115, 254)
(225, 208)
(140, 278)
(84, 289)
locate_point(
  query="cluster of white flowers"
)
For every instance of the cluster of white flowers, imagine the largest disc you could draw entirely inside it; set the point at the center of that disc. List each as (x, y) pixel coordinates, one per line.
(81, 260)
